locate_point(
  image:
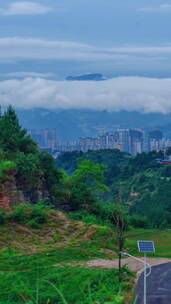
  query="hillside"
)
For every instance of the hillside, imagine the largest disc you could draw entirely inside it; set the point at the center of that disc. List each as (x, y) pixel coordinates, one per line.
(45, 230)
(144, 185)
(60, 220)
(27, 230)
(50, 259)
(26, 174)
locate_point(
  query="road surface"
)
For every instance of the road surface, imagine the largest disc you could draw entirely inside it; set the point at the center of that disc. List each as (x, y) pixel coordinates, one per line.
(158, 286)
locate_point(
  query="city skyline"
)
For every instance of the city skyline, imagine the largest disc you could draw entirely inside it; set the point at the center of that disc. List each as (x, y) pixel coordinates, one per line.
(130, 140)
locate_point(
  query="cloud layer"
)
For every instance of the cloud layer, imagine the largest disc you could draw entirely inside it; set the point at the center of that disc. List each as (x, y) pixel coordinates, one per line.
(37, 48)
(23, 74)
(162, 8)
(125, 93)
(25, 8)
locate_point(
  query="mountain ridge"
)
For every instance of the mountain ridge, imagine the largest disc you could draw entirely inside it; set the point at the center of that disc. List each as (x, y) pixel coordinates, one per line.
(86, 77)
(74, 123)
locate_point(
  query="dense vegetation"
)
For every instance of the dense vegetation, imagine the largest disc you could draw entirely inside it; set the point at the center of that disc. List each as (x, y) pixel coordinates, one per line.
(49, 284)
(143, 185)
(39, 246)
(43, 251)
(21, 163)
(92, 182)
(44, 255)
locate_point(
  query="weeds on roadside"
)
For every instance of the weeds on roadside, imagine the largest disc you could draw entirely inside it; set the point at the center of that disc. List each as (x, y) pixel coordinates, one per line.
(35, 282)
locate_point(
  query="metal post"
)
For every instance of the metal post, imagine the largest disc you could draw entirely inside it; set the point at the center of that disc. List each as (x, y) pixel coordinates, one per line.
(145, 279)
(147, 266)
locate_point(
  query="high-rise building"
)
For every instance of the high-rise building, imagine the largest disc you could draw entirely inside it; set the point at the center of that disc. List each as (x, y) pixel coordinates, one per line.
(130, 140)
(46, 138)
(136, 141)
(122, 137)
(155, 142)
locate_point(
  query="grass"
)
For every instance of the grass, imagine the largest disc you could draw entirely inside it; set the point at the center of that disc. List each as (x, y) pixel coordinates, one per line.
(45, 265)
(65, 285)
(162, 241)
(42, 266)
(36, 279)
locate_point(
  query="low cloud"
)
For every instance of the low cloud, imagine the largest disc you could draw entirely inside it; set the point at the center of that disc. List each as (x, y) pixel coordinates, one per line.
(25, 8)
(124, 93)
(163, 8)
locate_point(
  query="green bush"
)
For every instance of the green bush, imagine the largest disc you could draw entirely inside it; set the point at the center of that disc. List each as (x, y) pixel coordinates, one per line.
(34, 224)
(85, 217)
(34, 215)
(20, 214)
(5, 167)
(39, 213)
(138, 221)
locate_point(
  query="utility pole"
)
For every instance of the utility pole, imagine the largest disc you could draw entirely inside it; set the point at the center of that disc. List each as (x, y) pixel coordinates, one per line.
(145, 279)
(146, 247)
(146, 266)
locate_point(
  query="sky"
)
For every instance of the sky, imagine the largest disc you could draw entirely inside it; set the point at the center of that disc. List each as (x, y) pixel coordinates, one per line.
(44, 41)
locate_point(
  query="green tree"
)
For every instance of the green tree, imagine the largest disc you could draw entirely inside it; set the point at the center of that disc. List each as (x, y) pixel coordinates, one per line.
(91, 175)
(36, 174)
(84, 187)
(12, 137)
(29, 174)
(51, 175)
(119, 218)
(6, 168)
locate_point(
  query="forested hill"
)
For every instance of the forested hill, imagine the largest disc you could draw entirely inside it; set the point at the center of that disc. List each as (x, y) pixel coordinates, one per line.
(88, 183)
(145, 185)
(26, 174)
(41, 247)
(109, 158)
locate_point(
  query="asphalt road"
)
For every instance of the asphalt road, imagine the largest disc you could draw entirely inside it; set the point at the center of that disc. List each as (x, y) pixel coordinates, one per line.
(158, 286)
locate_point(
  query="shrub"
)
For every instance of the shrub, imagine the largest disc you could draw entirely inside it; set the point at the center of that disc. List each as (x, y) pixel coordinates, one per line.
(5, 167)
(34, 215)
(85, 217)
(34, 224)
(39, 213)
(138, 221)
(20, 214)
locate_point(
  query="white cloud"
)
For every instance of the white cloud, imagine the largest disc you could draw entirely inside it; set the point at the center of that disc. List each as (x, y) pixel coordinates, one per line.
(30, 48)
(158, 8)
(124, 93)
(25, 8)
(26, 75)
(34, 48)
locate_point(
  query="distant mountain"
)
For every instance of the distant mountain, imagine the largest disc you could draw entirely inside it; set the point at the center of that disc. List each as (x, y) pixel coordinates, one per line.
(86, 77)
(71, 124)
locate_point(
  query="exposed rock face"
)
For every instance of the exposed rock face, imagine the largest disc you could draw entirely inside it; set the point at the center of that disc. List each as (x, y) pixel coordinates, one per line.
(4, 201)
(12, 192)
(9, 194)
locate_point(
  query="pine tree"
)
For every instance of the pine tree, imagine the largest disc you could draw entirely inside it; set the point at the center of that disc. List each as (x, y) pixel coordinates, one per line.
(12, 137)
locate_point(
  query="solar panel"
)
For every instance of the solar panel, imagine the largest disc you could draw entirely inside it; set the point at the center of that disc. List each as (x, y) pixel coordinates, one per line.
(146, 246)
